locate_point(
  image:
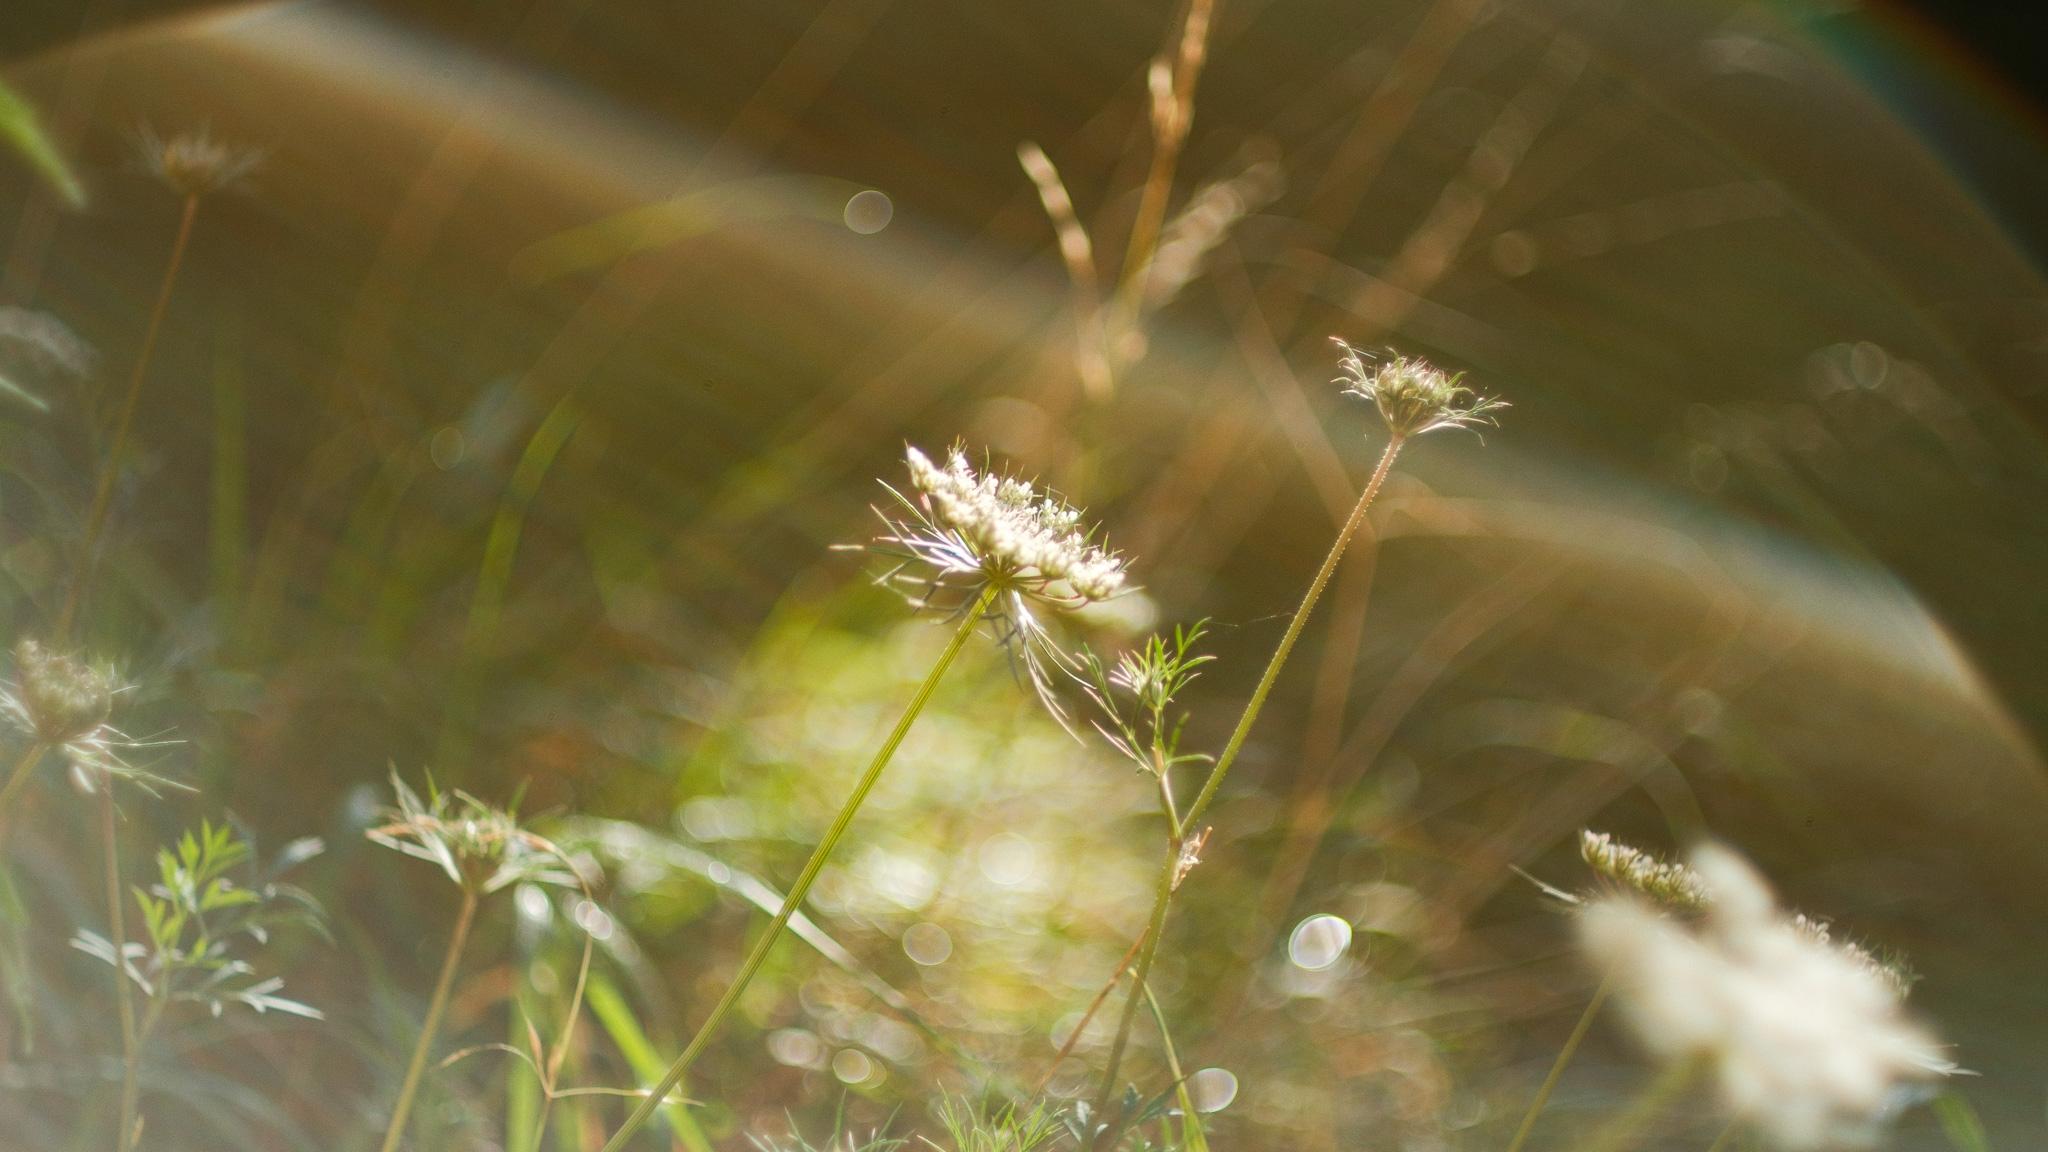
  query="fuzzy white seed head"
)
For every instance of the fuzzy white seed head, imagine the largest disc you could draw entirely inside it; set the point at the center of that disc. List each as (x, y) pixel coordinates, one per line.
(1413, 396)
(1805, 1039)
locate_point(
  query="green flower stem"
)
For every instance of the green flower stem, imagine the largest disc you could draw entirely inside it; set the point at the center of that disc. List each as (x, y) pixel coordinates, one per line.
(117, 934)
(1557, 1066)
(103, 490)
(1293, 633)
(650, 1103)
(1191, 821)
(23, 769)
(395, 1131)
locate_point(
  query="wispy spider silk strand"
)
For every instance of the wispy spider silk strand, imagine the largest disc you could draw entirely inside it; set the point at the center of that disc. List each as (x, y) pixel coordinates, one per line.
(110, 468)
(1191, 821)
(651, 1102)
(451, 961)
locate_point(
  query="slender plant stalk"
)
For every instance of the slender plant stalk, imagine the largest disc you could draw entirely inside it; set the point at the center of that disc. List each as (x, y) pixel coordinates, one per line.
(124, 997)
(432, 1024)
(1557, 1066)
(103, 490)
(554, 1065)
(1726, 1139)
(651, 1102)
(1203, 799)
(16, 779)
(1094, 1006)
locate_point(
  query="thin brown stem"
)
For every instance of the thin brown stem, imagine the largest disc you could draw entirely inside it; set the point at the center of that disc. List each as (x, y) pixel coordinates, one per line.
(1094, 1006)
(110, 469)
(432, 1024)
(117, 935)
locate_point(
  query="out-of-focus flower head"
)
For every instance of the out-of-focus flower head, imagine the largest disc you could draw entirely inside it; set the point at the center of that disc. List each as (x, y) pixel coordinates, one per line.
(1805, 1040)
(1413, 396)
(195, 163)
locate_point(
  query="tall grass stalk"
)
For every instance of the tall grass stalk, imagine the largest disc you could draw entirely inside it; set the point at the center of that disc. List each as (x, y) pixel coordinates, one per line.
(1191, 821)
(1557, 1066)
(110, 468)
(649, 1104)
(432, 1024)
(124, 997)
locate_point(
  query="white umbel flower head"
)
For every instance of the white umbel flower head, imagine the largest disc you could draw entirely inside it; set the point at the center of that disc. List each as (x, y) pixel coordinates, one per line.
(960, 534)
(1807, 1041)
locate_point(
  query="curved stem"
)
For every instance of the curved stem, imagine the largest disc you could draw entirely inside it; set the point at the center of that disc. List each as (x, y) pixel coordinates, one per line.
(674, 1076)
(1190, 822)
(117, 935)
(395, 1131)
(103, 490)
(1557, 1066)
(16, 779)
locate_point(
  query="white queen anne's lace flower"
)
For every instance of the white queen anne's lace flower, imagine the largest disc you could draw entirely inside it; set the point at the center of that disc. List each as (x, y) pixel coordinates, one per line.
(1004, 531)
(960, 535)
(1807, 1040)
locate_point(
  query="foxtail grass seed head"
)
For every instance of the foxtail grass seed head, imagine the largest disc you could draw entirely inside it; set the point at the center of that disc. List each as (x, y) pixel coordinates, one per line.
(195, 163)
(1413, 396)
(1623, 868)
(1805, 1041)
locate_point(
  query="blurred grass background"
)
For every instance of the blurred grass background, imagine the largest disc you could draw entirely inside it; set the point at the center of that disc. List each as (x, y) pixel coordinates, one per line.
(504, 421)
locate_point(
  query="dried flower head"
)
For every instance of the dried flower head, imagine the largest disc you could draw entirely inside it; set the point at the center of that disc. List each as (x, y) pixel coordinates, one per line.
(57, 699)
(1664, 883)
(962, 535)
(195, 163)
(479, 847)
(1413, 395)
(1805, 1041)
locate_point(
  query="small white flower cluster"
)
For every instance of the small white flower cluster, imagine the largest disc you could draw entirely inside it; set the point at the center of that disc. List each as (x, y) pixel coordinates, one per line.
(1807, 1040)
(1014, 535)
(1413, 395)
(1664, 883)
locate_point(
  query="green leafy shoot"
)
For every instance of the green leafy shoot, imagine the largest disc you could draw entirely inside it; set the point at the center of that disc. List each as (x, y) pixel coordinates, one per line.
(210, 905)
(1136, 697)
(977, 1128)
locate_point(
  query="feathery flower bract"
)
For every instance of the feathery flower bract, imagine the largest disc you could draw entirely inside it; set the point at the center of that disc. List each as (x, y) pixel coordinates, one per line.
(1413, 396)
(1805, 1041)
